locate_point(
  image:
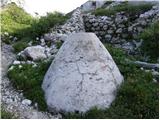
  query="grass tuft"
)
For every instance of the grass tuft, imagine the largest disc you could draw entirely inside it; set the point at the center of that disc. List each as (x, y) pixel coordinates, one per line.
(29, 79)
(150, 45)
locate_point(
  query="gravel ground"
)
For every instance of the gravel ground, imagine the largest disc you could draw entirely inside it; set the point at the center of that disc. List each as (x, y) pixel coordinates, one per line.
(12, 99)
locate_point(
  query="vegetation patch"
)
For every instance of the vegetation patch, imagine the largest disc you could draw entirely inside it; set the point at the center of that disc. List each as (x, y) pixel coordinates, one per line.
(28, 77)
(125, 7)
(14, 18)
(59, 44)
(6, 115)
(150, 45)
(19, 46)
(43, 25)
(136, 98)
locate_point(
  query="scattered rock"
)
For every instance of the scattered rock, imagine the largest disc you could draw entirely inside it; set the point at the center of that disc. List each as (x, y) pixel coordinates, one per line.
(35, 52)
(119, 30)
(16, 62)
(108, 37)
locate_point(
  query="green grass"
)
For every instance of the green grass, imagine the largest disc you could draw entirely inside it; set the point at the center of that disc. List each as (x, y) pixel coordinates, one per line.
(19, 46)
(150, 45)
(125, 7)
(14, 18)
(29, 79)
(136, 98)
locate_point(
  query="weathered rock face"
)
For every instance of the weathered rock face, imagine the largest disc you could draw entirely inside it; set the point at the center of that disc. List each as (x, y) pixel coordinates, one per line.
(82, 75)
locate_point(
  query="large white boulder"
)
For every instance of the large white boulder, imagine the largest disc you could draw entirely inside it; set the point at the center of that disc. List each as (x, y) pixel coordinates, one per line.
(82, 75)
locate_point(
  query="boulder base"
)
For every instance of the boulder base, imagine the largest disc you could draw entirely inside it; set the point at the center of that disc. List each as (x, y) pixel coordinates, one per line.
(82, 75)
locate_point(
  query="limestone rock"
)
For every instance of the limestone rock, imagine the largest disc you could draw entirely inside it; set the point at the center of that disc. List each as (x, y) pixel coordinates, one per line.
(26, 102)
(35, 52)
(82, 75)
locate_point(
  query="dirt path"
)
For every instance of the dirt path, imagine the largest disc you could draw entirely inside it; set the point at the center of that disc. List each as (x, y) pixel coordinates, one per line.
(12, 99)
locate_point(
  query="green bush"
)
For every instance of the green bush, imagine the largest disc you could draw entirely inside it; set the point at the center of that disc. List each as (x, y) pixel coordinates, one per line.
(14, 18)
(150, 45)
(29, 79)
(19, 46)
(136, 98)
(125, 7)
(42, 25)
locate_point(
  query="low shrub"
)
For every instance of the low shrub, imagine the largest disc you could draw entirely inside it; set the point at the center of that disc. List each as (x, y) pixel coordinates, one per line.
(19, 46)
(42, 25)
(14, 18)
(29, 79)
(150, 45)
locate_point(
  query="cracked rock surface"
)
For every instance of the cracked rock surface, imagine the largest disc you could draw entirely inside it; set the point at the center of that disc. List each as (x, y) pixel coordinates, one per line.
(82, 75)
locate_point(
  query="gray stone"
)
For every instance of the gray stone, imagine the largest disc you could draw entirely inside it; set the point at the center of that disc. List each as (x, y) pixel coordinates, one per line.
(119, 19)
(137, 44)
(130, 29)
(115, 40)
(128, 46)
(35, 52)
(101, 24)
(16, 62)
(30, 43)
(26, 102)
(82, 75)
(87, 6)
(98, 28)
(105, 27)
(42, 42)
(108, 37)
(139, 29)
(95, 24)
(119, 30)
(109, 31)
(15, 39)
